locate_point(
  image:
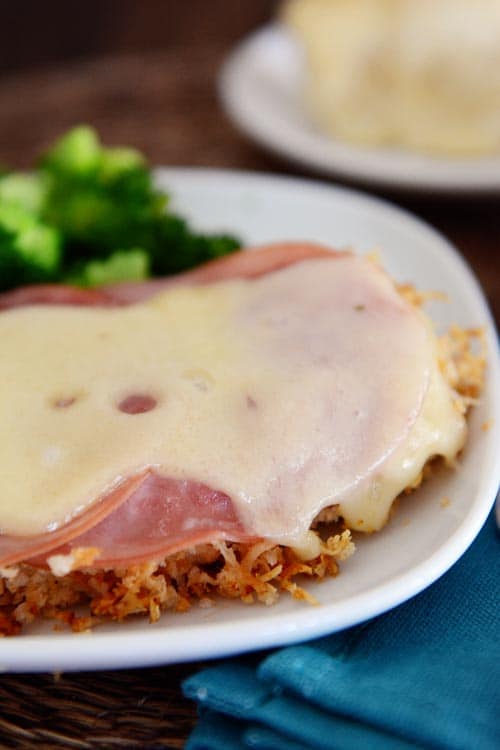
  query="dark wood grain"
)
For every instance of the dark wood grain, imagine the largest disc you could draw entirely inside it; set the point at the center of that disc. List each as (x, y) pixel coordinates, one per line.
(151, 83)
(129, 709)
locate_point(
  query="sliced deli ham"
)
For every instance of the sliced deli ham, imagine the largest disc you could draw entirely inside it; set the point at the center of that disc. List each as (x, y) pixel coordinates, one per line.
(246, 395)
(161, 517)
(14, 549)
(248, 264)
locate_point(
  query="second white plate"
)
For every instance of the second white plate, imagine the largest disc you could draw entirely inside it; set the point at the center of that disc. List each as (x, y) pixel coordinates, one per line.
(260, 87)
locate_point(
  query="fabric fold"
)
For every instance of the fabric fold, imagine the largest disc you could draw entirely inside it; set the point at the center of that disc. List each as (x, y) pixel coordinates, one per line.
(234, 690)
(426, 674)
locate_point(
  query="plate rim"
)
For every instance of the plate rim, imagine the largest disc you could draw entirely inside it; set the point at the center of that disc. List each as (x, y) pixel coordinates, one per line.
(342, 159)
(104, 649)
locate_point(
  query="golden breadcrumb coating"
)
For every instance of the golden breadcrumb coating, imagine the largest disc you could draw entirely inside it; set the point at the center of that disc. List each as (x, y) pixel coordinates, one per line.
(250, 572)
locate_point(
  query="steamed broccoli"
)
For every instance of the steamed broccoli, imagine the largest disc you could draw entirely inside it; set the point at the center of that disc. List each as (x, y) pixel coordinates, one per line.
(101, 199)
(23, 190)
(131, 265)
(92, 214)
(105, 199)
(30, 251)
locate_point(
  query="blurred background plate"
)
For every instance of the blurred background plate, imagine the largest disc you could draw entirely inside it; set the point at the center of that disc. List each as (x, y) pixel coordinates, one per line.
(260, 88)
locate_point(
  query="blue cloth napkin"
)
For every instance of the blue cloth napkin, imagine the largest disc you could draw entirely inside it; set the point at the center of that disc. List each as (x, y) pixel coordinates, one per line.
(426, 674)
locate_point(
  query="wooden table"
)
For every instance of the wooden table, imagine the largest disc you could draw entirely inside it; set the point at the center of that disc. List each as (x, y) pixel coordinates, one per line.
(163, 102)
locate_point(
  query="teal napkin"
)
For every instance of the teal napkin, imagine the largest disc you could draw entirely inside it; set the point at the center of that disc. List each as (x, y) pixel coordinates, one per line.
(426, 674)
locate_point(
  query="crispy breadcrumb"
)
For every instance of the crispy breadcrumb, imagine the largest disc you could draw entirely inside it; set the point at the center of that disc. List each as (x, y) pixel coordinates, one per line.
(229, 570)
(463, 361)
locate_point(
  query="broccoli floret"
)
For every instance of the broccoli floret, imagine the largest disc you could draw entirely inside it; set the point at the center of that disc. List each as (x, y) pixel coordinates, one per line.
(129, 265)
(40, 249)
(29, 251)
(76, 154)
(117, 162)
(26, 191)
(178, 248)
(100, 198)
(115, 204)
(85, 201)
(10, 260)
(15, 218)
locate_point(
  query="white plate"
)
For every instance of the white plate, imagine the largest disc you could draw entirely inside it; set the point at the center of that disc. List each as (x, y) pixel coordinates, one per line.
(422, 541)
(260, 87)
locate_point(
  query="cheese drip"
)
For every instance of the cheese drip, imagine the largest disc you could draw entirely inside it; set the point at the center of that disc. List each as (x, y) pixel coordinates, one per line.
(307, 387)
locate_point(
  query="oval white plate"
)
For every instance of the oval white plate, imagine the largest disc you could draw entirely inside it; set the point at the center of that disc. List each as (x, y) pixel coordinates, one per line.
(423, 540)
(260, 88)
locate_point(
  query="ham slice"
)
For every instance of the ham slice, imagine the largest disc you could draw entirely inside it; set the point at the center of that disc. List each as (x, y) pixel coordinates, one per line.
(160, 517)
(53, 294)
(14, 549)
(147, 516)
(248, 264)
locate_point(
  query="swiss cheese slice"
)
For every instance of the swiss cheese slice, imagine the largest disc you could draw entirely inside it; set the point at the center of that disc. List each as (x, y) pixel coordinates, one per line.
(307, 387)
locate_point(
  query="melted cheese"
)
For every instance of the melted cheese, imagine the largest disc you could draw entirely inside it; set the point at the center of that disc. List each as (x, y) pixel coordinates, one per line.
(311, 386)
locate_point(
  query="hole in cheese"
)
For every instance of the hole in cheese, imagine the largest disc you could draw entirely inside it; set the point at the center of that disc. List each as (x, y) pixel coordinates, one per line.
(63, 403)
(137, 403)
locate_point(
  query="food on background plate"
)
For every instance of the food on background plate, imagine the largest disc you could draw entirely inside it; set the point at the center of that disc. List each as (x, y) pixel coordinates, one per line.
(219, 432)
(413, 73)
